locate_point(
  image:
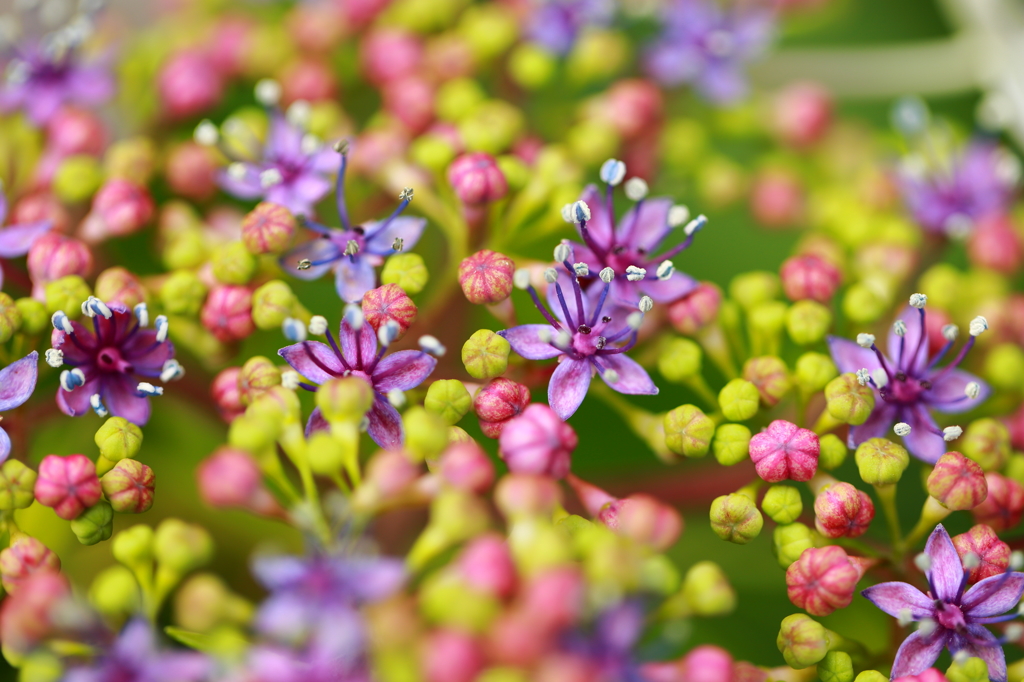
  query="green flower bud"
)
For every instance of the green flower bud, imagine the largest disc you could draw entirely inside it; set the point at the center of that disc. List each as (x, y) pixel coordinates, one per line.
(133, 159)
(183, 293)
(272, 303)
(658, 573)
(683, 142)
(591, 140)
(837, 666)
(181, 547)
(407, 270)
(707, 591)
(129, 487)
(880, 461)
(771, 377)
(257, 375)
(1004, 367)
(502, 674)
(485, 354)
(790, 541)
(782, 504)
(134, 546)
(972, 669)
(277, 404)
(40, 666)
(491, 127)
(34, 318)
(450, 399)
(832, 452)
(433, 152)
(814, 371)
(10, 318)
(802, 641)
(118, 438)
(848, 401)
(517, 173)
(17, 485)
(753, 288)
(449, 601)
(233, 264)
(864, 303)
(872, 675)
(115, 592)
(458, 98)
(735, 518)
(767, 319)
(426, 433)
(252, 434)
(327, 454)
(95, 524)
(184, 249)
(731, 444)
(531, 66)
(679, 360)
(807, 322)
(739, 400)
(987, 442)
(597, 55)
(77, 178)
(344, 400)
(67, 294)
(1014, 468)
(688, 431)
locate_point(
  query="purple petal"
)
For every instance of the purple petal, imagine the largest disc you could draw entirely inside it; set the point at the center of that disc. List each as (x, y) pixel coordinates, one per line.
(601, 222)
(909, 353)
(361, 357)
(43, 102)
(565, 283)
(18, 380)
(568, 387)
(16, 240)
(849, 357)
(318, 250)
(76, 403)
(379, 239)
(316, 422)
(324, 161)
(385, 424)
(994, 595)
(985, 646)
(314, 360)
(947, 392)
(633, 379)
(402, 370)
(147, 356)
(372, 578)
(923, 442)
(669, 290)
(136, 642)
(248, 186)
(895, 596)
(5, 445)
(526, 341)
(311, 187)
(918, 653)
(645, 225)
(285, 195)
(120, 396)
(73, 354)
(877, 425)
(947, 572)
(723, 82)
(354, 279)
(284, 141)
(90, 85)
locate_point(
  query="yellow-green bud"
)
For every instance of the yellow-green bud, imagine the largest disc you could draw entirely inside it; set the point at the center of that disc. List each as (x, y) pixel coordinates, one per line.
(782, 504)
(753, 288)
(327, 454)
(181, 547)
(34, 318)
(485, 354)
(252, 434)
(771, 377)
(987, 442)
(10, 318)
(1014, 468)
(40, 666)
(871, 675)
(118, 438)
(880, 461)
(67, 294)
(17, 485)
(257, 375)
(502, 674)
(848, 401)
(864, 303)
(517, 173)
(115, 591)
(491, 127)
(426, 433)
(458, 98)
(133, 159)
(184, 249)
(345, 400)
(531, 66)
(658, 574)
(77, 178)
(837, 666)
(450, 399)
(433, 152)
(814, 371)
(596, 55)
(449, 601)
(183, 293)
(407, 270)
(688, 431)
(802, 641)
(832, 452)
(767, 319)
(272, 303)
(790, 541)
(95, 524)
(731, 444)
(680, 359)
(972, 669)
(1004, 367)
(277, 404)
(735, 518)
(807, 322)
(739, 400)
(233, 264)
(134, 546)
(707, 591)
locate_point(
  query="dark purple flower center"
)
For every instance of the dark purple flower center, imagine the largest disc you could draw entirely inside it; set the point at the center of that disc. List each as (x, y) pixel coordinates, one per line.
(949, 616)
(904, 390)
(109, 360)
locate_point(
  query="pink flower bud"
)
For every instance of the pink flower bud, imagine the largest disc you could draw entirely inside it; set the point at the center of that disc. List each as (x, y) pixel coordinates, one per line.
(189, 84)
(784, 450)
(519, 495)
(707, 663)
(842, 511)
(76, 131)
(810, 277)
(25, 616)
(226, 394)
(822, 580)
(593, 498)
(565, 667)
(389, 55)
(309, 80)
(411, 101)
(317, 27)
(375, 149)
(1003, 507)
(467, 467)
(1015, 425)
(449, 57)
(643, 519)
(476, 179)
(695, 310)
(514, 639)
(745, 671)
(227, 47)
(361, 12)
(129, 486)
(227, 313)
(118, 285)
(632, 106)
(538, 442)
(497, 402)
(38, 207)
(388, 474)
(803, 113)
(118, 209)
(452, 656)
(527, 148)
(24, 557)
(957, 482)
(777, 199)
(53, 256)
(231, 478)
(67, 484)
(486, 564)
(486, 277)
(554, 598)
(933, 325)
(389, 302)
(192, 171)
(929, 675)
(994, 244)
(993, 554)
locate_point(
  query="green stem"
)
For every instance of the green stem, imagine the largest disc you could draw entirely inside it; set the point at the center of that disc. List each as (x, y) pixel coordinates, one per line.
(293, 442)
(887, 499)
(861, 547)
(698, 385)
(931, 513)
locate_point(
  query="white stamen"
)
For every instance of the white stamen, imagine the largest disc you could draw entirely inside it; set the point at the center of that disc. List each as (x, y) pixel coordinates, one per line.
(958, 225)
(634, 320)
(311, 144)
(86, 310)
(388, 332)
(545, 335)
(636, 188)
(863, 376)
(293, 330)
(141, 311)
(950, 332)
(521, 278)
(972, 390)
(918, 300)
(1007, 167)
(978, 326)
(430, 345)
(1017, 560)
(923, 562)
(581, 269)
(317, 325)
(606, 275)
(70, 379)
(905, 618)
(610, 375)
(635, 274)
(880, 378)
(98, 307)
(567, 213)
(406, 194)
(926, 626)
(971, 561)
(695, 225)
(1013, 632)
(580, 212)
(396, 397)
(268, 92)
(677, 215)
(97, 405)
(550, 275)
(206, 133)
(61, 323)
(270, 177)
(665, 270)
(290, 379)
(298, 113)
(961, 657)
(351, 247)
(354, 317)
(612, 172)
(562, 339)
(54, 357)
(562, 253)
(162, 328)
(148, 389)
(646, 304)
(171, 371)
(398, 244)
(865, 340)
(902, 429)
(237, 170)
(951, 433)
(899, 327)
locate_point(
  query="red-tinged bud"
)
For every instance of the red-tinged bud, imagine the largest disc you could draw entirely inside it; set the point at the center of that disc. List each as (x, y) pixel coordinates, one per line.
(452, 656)
(67, 484)
(770, 376)
(476, 179)
(26, 616)
(53, 256)
(810, 277)
(361, 12)
(129, 486)
(118, 285)
(515, 640)
(554, 598)
(519, 495)
(486, 564)
(317, 27)
(528, 148)
(389, 55)
(593, 498)
(308, 80)
(842, 511)
(563, 667)
(411, 101)
(645, 520)
(231, 478)
(120, 208)
(389, 473)
(1015, 425)
(227, 313)
(929, 675)
(25, 557)
(744, 671)
(76, 131)
(696, 310)
(375, 149)
(191, 171)
(803, 113)
(1003, 507)
(991, 553)
(785, 451)
(822, 580)
(389, 302)
(189, 84)
(707, 663)
(257, 375)
(450, 57)
(230, 41)
(538, 442)
(39, 207)
(896, 260)
(632, 106)
(486, 277)
(268, 228)
(467, 467)
(777, 199)
(994, 244)
(957, 482)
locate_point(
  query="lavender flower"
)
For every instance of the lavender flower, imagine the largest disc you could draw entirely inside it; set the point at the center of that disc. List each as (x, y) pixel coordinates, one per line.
(358, 355)
(353, 251)
(555, 24)
(911, 385)
(708, 46)
(581, 335)
(16, 240)
(948, 616)
(110, 365)
(17, 381)
(135, 657)
(609, 648)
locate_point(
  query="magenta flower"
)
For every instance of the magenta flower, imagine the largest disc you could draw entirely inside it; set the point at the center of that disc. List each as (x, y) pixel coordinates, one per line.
(358, 355)
(784, 450)
(353, 251)
(16, 240)
(17, 381)
(911, 385)
(135, 657)
(112, 365)
(949, 617)
(582, 338)
(538, 442)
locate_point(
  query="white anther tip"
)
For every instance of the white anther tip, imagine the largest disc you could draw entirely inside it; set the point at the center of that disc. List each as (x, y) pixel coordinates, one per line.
(918, 300)
(951, 433)
(636, 188)
(978, 325)
(865, 340)
(902, 429)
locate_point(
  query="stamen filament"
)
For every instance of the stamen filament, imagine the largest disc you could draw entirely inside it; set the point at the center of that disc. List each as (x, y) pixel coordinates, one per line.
(339, 193)
(542, 308)
(337, 351)
(600, 304)
(578, 292)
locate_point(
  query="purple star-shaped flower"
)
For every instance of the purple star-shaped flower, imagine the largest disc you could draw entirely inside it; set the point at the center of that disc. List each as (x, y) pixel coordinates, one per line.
(135, 657)
(708, 46)
(353, 251)
(111, 366)
(17, 381)
(912, 384)
(358, 355)
(610, 647)
(555, 24)
(16, 240)
(949, 617)
(582, 335)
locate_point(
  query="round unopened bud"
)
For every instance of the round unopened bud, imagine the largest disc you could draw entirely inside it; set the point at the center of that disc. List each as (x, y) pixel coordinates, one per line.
(644, 519)
(992, 553)
(707, 591)
(832, 452)
(837, 666)
(389, 303)
(1004, 505)
(810, 278)
(842, 511)
(785, 451)
(696, 310)
(731, 444)
(34, 318)
(344, 400)
(119, 208)
(1004, 369)
(95, 524)
(486, 277)
(849, 401)
(467, 467)
(67, 484)
(822, 580)
(782, 504)
(518, 495)
(957, 482)
(117, 285)
(968, 668)
(227, 313)
(688, 431)
(739, 400)
(426, 434)
(25, 556)
(803, 642)
(497, 402)
(987, 442)
(735, 518)
(257, 375)
(679, 360)
(272, 304)
(807, 322)
(183, 293)
(538, 442)
(17, 485)
(232, 263)
(134, 546)
(880, 461)
(771, 377)
(268, 228)
(790, 541)
(10, 318)
(180, 546)
(232, 478)
(753, 288)
(485, 354)
(66, 293)
(814, 371)
(448, 398)
(407, 270)
(477, 179)
(129, 486)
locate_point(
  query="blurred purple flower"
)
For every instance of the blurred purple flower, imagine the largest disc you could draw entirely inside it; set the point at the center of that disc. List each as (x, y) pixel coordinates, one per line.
(135, 657)
(16, 240)
(556, 24)
(17, 381)
(609, 647)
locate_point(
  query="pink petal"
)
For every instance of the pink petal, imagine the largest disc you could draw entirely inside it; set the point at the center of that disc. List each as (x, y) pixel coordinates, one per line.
(893, 597)
(525, 340)
(367, 343)
(994, 595)
(314, 360)
(917, 653)
(568, 387)
(121, 398)
(76, 403)
(947, 571)
(16, 240)
(647, 228)
(18, 380)
(402, 370)
(601, 224)
(385, 424)
(633, 379)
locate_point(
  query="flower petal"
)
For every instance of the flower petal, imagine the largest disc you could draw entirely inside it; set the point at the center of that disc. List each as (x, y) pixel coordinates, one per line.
(385, 424)
(316, 422)
(78, 350)
(849, 357)
(353, 278)
(645, 225)
(16, 240)
(668, 290)
(947, 391)
(947, 572)
(380, 238)
(568, 387)
(314, 360)
(366, 339)
(984, 645)
(5, 445)
(565, 283)
(321, 250)
(526, 341)
(18, 380)
(402, 370)
(923, 442)
(284, 141)
(876, 426)
(633, 379)
(908, 352)
(918, 653)
(893, 597)
(76, 403)
(246, 186)
(120, 396)
(994, 595)
(146, 356)
(601, 222)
